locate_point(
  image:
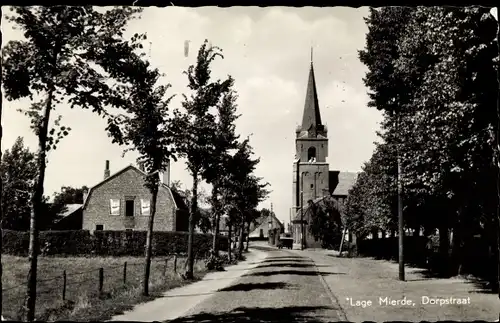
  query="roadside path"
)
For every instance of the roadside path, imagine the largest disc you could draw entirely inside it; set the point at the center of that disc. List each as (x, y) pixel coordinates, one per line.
(367, 279)
(176, 302)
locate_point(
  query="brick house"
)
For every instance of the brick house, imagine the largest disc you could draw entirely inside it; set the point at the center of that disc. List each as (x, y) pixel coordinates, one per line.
(122, 202)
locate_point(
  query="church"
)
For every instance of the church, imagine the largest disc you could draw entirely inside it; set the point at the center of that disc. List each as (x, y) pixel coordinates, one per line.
(312, 178)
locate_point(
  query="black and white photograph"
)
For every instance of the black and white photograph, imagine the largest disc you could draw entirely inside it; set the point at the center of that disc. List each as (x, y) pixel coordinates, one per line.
(249, 163)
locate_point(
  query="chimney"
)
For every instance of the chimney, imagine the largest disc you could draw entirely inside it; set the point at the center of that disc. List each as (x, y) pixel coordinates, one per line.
(85, 194)
(106, 170)
(166, 175)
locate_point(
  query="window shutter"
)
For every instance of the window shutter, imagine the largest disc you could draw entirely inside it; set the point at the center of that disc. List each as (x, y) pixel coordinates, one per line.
(114, 205)
(145, 207)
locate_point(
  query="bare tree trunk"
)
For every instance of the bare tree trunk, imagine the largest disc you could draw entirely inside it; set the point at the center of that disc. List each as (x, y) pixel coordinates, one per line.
(229, 244)
(240, 239)
(248, 236)
(216, 211)
(149, 243)
(401, 228)
(194, 209)
(1, 185)
(444, 245)
(342, 242)
(498, 159)
(36, 208)
(457, 251)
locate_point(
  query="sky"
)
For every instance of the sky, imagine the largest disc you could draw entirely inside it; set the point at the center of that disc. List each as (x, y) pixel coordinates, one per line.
(268, 52)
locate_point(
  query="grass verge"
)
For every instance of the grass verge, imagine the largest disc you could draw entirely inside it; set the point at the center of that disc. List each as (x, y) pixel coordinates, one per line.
(83, 301)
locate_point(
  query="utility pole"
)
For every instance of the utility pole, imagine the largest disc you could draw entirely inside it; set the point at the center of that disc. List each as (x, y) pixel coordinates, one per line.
(400, 224)
(272, 226)
(302, 240)
(401, 228)
(497, 150)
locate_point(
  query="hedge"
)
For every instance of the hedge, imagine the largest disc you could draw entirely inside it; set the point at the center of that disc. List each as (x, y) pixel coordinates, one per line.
(107, 243)
(477, 258)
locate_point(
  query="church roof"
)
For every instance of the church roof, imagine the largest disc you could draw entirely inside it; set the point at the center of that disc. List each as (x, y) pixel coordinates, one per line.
(312, 116)
(346, 182)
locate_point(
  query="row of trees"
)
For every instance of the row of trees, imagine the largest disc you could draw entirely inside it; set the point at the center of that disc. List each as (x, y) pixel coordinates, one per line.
(432, 72)
(18, 172)
(71, 55)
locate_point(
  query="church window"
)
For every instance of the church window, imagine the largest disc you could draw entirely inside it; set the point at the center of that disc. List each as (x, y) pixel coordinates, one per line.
(311, 153)
(312, 186)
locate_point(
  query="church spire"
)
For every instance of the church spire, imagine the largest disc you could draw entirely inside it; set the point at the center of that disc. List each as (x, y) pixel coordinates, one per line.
(312, 116)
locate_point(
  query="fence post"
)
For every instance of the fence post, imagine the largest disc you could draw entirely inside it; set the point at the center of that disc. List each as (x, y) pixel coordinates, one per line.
(125, 272)
(165, 267)
(101, 279)
(64, 286)
(175, 263)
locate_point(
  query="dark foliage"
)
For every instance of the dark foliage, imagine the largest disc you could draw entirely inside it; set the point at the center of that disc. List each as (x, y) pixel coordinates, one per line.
(106, 243)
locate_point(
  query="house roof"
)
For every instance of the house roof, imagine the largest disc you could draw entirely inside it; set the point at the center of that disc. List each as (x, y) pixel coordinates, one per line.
(70, 208)
(346, 182)
(263, 222)
(178, 201)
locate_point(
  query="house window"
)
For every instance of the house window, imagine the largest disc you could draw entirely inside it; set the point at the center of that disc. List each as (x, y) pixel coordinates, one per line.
(114, 207)
(145, 207)
(129, 208)
(99, 227)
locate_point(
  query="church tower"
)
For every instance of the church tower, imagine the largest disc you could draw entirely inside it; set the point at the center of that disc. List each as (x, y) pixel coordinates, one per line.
(310, 169)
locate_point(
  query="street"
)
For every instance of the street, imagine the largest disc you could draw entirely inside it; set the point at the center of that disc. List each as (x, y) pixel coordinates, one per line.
(313, 285)
(284, 287)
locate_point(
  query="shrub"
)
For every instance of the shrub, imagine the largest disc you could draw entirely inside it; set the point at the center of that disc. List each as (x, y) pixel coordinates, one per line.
(213, 262)
(15, 242)
(65, 243)
(107, 243)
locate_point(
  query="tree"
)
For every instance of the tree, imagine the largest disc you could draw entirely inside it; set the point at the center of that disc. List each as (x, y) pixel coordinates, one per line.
(252, 218)
(70, 195)
(52, 64)
(326, 222)
(244, 190)
(372, 202)
(454, 93)
(195, 128)
(146, 129)
(224, 142)
(67, 195)
(202, 218)
(1, 189)
(18, 172)
(437, 71)
(386, 26)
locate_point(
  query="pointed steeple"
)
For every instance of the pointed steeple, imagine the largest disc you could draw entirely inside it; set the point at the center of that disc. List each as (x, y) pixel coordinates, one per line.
(312, 116)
